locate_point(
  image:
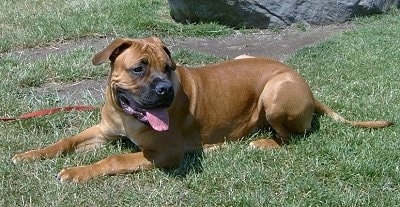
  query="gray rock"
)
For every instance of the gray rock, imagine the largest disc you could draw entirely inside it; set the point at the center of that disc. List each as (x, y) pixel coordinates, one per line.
(275, 13)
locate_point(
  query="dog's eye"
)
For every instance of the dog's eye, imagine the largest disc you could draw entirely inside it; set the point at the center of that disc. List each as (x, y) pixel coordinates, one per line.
(138, 71)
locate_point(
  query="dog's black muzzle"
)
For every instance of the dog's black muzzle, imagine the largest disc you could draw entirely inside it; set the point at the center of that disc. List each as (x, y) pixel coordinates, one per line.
(160, 93)
(163, 90)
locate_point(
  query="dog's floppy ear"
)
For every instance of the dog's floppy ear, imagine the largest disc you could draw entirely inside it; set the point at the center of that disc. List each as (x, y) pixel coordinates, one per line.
(111, 51)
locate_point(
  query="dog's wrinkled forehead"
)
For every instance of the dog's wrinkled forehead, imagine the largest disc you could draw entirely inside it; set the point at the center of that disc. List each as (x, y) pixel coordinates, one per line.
(153, 54)
(151, 50)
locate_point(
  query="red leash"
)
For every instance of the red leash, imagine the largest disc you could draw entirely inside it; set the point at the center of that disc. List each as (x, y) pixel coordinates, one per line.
(50, 111)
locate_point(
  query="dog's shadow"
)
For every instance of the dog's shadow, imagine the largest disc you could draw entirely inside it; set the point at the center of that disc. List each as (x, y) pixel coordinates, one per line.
(192, 162)
(315, 126)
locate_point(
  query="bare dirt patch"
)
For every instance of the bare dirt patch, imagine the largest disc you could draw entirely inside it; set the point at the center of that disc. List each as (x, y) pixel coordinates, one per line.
(279, 45)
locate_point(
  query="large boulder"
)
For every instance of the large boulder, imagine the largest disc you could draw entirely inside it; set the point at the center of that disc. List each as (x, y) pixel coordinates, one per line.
(275, 13)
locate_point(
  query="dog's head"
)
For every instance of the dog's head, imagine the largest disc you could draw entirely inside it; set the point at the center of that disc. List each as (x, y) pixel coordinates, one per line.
(140, 79)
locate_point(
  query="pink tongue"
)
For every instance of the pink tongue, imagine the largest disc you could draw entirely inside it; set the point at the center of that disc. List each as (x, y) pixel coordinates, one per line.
(158, 118)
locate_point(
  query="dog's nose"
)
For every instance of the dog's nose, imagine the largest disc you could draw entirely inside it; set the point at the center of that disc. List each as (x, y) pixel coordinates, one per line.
(164, 89)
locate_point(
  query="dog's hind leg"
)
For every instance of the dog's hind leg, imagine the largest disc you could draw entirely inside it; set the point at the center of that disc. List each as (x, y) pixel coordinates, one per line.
(289, 105)
(282, 135)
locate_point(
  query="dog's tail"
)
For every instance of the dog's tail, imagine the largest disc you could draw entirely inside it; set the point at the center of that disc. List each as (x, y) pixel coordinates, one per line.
(321, 108)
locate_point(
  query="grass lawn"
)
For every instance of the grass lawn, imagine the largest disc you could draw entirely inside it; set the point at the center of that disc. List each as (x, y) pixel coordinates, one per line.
(36, 22)
(356, 73)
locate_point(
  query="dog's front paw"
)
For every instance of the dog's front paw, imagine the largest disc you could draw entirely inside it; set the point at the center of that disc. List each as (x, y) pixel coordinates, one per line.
(27, 156)
(75, 174)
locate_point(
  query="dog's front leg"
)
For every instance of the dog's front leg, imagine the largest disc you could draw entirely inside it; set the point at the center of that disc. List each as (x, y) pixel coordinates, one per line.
(85, 140)
(117, 164)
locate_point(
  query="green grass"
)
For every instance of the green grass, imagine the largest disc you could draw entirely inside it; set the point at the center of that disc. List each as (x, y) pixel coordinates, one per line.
(36, 22)
(356, 73)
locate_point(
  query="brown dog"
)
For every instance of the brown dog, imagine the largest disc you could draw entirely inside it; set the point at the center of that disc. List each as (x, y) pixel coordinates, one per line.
(168, 111)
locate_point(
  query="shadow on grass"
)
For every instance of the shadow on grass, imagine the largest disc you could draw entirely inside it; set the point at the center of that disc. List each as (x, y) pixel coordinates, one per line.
(315, 126)
(192, 161)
